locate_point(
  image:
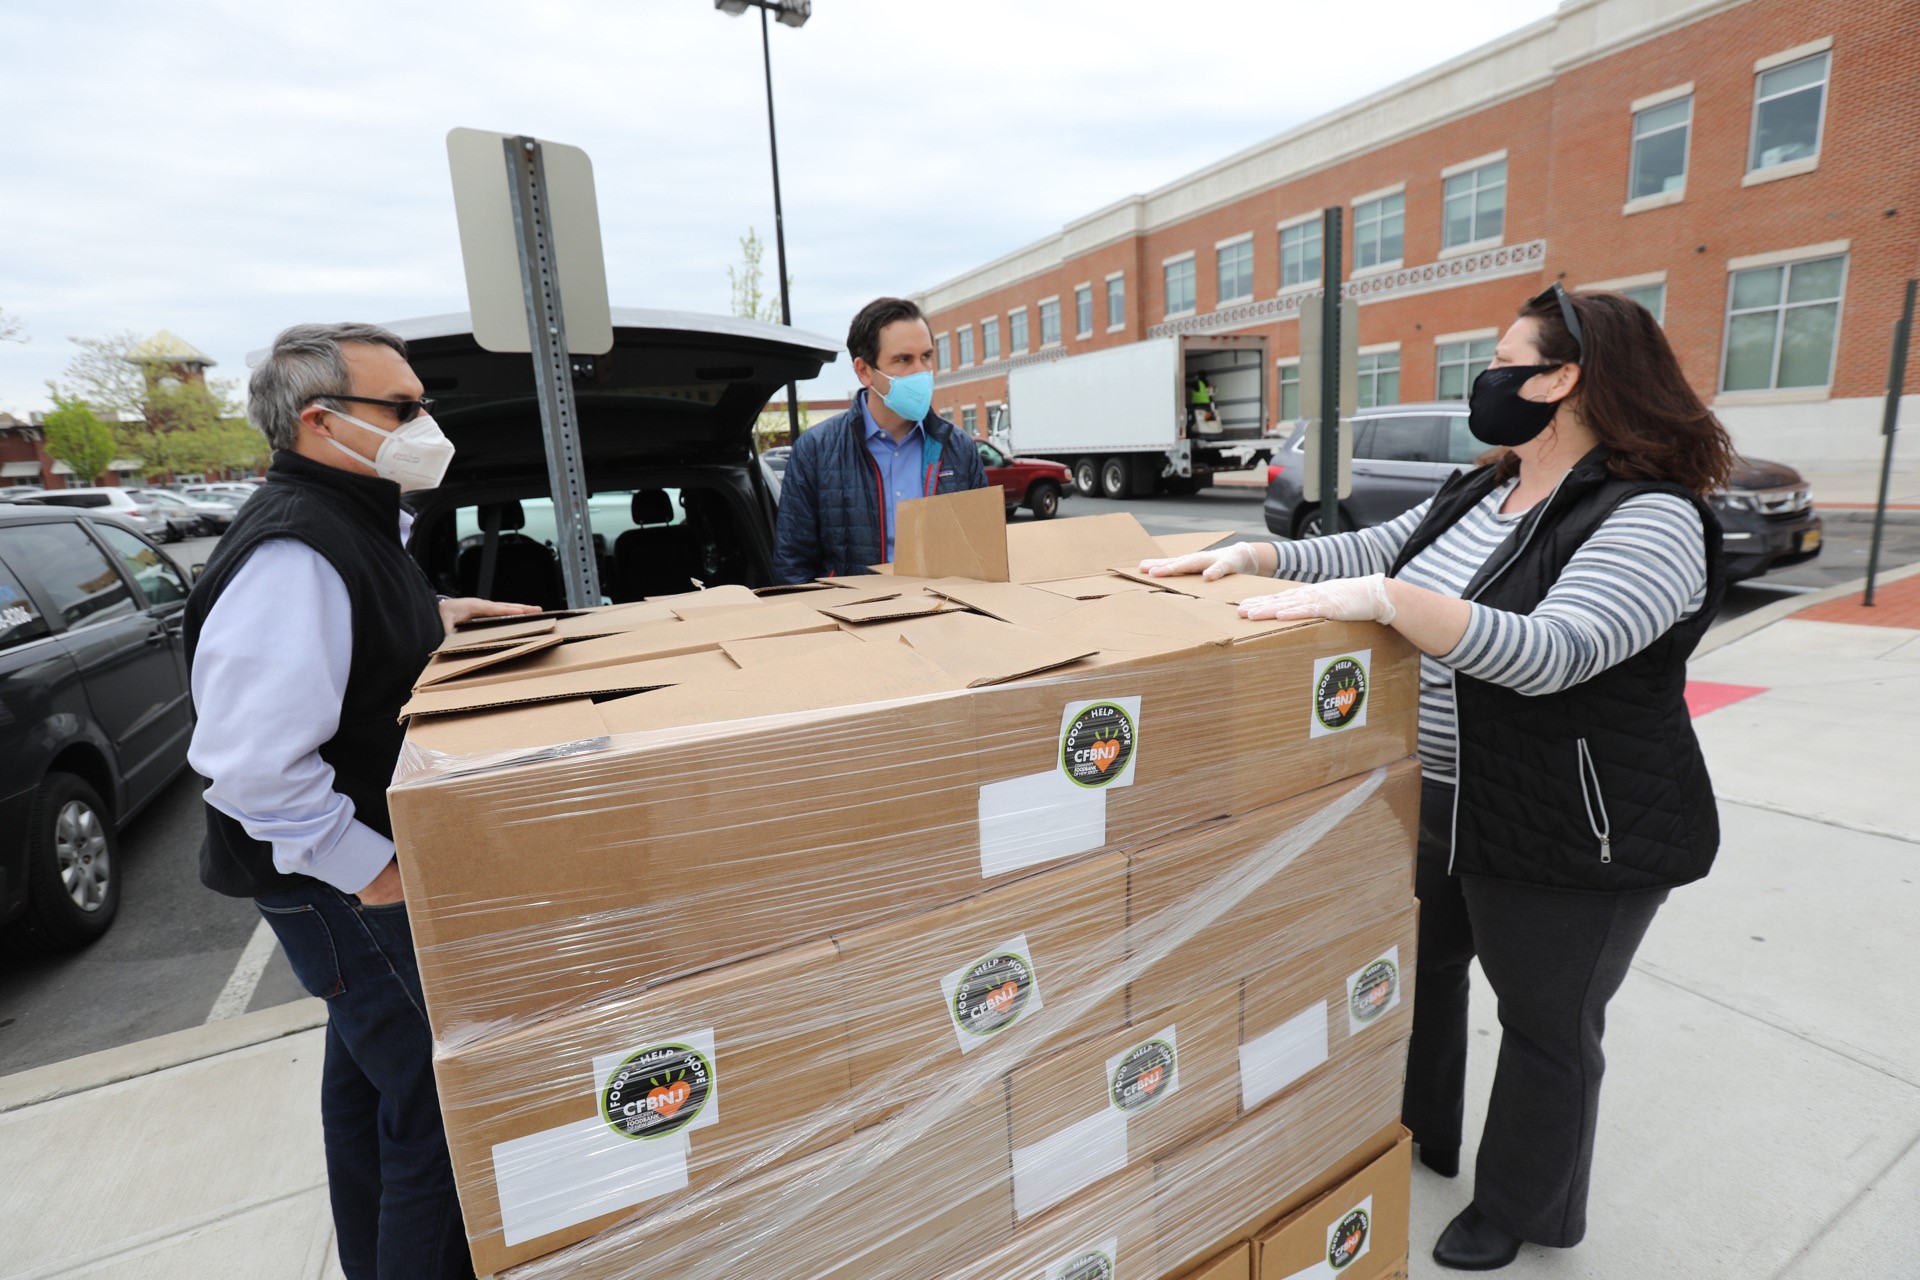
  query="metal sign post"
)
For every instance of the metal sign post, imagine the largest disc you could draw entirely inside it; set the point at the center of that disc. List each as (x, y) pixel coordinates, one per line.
(1889, 426)
(1330, 345)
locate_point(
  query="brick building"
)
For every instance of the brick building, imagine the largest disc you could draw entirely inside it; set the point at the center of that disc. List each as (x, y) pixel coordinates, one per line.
(1750, 169)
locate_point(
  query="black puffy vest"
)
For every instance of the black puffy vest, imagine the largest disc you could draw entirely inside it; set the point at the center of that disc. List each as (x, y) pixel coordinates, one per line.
(354, 521)
(1602, 785)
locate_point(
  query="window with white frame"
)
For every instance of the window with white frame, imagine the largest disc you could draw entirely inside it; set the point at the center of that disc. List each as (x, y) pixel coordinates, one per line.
(1289, 379)
(1659, 161)
(966, 346)
(1651, 296)
(1236, 272)
(1789, 107)
(1458, 364)
(1379, 231)
(1379, 378)
(1781, 325)
(1017, 332)
(1180, 286)
(1116, 302)
(1050, 323)
(970, 420)
(1083, 310)
(990, 338)
(946, 361)
(1300, 254)
(1475, 205)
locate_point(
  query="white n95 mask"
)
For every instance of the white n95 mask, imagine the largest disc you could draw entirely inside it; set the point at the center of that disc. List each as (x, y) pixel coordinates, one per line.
(414, 457)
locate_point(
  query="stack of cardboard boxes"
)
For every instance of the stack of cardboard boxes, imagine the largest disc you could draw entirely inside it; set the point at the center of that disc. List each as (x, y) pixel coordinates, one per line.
(1004, 915)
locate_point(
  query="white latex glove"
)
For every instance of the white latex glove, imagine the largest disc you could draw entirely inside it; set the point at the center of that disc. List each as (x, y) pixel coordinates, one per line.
(1341, 600)
(1218, 563)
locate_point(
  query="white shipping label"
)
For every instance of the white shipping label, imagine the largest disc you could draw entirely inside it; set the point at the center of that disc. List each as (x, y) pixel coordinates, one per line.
(1048, 1171)
(1341, 685)
(1372, 990)
(987, 995)
(1099, 742)
(1146, 1075)
(1275, 1059)
(1349, 1239)
(1099, 1261)
(559, 1178)
(660, 1088)
(1039, 818)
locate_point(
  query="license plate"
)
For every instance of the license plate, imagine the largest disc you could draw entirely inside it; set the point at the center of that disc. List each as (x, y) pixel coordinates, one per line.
(1810, 540)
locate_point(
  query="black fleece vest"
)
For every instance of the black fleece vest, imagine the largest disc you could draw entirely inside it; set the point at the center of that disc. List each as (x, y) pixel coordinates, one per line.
(1600, 786)
(354, 521)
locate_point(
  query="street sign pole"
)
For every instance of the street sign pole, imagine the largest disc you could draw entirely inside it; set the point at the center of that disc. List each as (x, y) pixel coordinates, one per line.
(552, 371)
(1330, 346)
(1889, 426)
(779, 227)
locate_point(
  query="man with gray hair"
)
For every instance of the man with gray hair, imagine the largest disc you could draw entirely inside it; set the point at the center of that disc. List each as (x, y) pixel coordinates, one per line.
(304, 636)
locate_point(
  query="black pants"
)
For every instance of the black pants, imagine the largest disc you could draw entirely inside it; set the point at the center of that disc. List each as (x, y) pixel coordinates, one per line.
(395, 1212)
(1554, 959)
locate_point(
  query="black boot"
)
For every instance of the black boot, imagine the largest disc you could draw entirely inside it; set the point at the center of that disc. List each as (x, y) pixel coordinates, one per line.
(1471, 1243)
(1444, 1161)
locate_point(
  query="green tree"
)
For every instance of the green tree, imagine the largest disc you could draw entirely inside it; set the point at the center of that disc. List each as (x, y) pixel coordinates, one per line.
(188, 427)
(77, 437)
(750, 300)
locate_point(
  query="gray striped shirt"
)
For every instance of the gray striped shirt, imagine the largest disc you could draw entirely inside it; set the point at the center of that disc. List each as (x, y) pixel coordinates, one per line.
(1644, 569)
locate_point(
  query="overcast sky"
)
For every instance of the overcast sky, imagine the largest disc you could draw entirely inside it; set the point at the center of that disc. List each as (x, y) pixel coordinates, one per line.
(223, 168)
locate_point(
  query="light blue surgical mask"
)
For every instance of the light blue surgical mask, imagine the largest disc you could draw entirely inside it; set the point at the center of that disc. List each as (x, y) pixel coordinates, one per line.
(910, 395)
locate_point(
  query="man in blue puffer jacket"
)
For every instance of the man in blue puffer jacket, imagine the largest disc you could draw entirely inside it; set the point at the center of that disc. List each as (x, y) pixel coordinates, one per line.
(846, 475)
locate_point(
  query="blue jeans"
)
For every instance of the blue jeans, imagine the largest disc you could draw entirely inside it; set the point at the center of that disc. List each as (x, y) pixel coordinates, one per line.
(395, 1213)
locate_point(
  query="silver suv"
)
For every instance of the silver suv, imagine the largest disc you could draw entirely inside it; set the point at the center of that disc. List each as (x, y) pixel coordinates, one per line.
(108, 501)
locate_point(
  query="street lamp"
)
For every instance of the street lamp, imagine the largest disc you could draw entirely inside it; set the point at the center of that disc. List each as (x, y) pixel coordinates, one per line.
(792, 13)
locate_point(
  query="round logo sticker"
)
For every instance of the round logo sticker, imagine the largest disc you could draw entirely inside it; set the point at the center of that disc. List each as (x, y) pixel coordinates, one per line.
(1097, 745)
(1091, 1265)
(1373, 989)
(992, 993)
(658, 1091)
(1341, 693)
(1143, 1076)
(1349, 1238)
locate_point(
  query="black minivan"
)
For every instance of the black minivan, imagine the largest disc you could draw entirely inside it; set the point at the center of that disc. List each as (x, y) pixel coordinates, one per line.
(1403, 453)
(95, 715)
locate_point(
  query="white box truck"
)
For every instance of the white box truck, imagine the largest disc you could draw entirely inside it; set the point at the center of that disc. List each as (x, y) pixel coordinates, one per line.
(1124, 419)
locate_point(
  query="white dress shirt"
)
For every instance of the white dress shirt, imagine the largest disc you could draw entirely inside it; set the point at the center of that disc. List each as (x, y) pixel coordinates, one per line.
(269, 672)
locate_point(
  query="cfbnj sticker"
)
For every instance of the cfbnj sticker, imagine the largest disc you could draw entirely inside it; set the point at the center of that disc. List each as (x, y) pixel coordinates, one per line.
(990, 994)
(1340, 688)
(1096, 1262)
(1098, 740)
(1144, 1075)
(1373, 990)
(1348, 1238)
(658, 1091)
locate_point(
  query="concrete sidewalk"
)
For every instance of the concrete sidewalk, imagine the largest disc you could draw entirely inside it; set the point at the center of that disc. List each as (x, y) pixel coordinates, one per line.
(1762, 1112)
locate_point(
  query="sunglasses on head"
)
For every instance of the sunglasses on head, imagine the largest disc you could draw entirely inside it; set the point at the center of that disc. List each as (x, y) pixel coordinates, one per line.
(1559, 296)
(404, 411)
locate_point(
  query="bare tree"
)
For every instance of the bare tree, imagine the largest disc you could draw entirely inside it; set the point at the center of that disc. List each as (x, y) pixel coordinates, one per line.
(12, 328)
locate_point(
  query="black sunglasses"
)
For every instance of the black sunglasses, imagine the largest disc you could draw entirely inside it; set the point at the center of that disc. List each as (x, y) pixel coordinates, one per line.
(1559, 295)
(404, 411)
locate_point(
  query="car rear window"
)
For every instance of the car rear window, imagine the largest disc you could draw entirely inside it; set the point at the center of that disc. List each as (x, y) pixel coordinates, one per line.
(1405, 439)
(19, 620)
(75, 572)
(159, 580)
(75, 499)
(1462, 447)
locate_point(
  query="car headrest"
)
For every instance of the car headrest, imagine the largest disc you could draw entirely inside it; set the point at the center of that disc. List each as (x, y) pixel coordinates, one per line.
(652, 506)
(511, 515)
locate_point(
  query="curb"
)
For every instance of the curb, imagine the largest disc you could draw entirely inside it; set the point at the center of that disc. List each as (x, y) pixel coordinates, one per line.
(1864, 515)
(1766, 615)
(161, 1053)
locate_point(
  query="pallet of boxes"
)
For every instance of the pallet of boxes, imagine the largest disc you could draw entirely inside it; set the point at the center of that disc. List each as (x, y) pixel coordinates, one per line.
(1001, 915)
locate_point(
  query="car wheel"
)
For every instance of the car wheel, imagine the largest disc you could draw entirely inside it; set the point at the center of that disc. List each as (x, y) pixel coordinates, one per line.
(1115, 483)
(1307, 523)
(73, 889)
(1086, 477)
(1043, 500)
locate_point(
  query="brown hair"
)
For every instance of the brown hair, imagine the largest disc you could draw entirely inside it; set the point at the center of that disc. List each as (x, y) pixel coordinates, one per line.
(1632, 394)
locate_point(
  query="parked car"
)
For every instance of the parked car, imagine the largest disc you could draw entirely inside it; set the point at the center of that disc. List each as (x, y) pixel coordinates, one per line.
(195, 517)
(229, 489)
(93, 680)
(13, 493)
(1032, 483)
(1403, 453)
(773, 465)
(120, 503)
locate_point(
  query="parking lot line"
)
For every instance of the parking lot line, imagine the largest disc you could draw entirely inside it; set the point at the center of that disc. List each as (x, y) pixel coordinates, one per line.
(238, 993)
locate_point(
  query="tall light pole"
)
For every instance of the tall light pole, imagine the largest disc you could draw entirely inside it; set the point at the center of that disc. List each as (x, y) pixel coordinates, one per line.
(792, 13)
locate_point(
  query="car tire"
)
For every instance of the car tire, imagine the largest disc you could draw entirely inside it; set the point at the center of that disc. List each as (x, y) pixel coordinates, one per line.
(1086, 477)
(1043, 500)
(1116, 479)
(73, 889)
(1306, 522)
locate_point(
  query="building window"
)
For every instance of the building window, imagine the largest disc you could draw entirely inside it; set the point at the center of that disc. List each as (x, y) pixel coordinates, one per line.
(966, 346)
(1290, 391)
(945, 350)
(1651, 296)
(970, 420)
(1659, 163)
(1236, 272)
(1050, 323)
(1781, 325)
(1789, 104)
(990, 338)
(1017, 332)
(1476, 205)
(1379, 379)
(1379, 231)
(1180, 287)
(1083, 310)
(1117, 302)
(1299, 254)
(1459, 364)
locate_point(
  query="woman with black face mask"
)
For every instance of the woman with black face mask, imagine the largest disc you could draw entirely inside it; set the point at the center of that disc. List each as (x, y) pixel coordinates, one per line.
(1555, 594)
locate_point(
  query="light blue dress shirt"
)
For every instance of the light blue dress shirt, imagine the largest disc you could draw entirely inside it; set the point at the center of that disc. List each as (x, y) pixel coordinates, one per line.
(902, 466)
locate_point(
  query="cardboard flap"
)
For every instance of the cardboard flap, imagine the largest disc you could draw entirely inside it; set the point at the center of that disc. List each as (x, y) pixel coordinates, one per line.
(789, 588)
(474, 733)
(501, 637)
(1097, 588)
(441, 669)
(1051, 550)
(920, 606)
(953, 535)
(764, 649)
(979, 651)
(1143, 622)
(1023, 606)
(631, 677)
(1231, 589)
(1184, 544)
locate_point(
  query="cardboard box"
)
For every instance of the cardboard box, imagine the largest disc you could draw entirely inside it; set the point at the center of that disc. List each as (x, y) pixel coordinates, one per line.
(1089, 1110)
(1105, 1233)
(1235, 1264)
(1357, 1229)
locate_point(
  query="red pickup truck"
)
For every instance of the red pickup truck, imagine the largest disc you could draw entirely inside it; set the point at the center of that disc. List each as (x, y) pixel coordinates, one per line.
(1028, 482)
